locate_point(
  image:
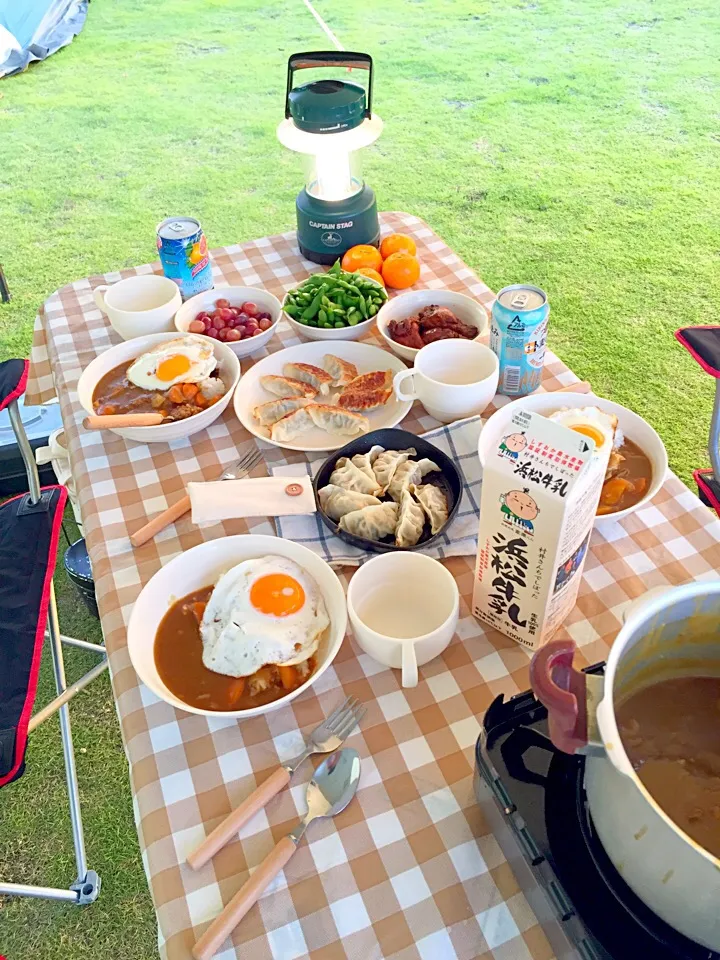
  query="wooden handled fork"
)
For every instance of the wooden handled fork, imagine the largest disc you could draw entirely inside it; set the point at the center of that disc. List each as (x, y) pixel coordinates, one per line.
(236, 471)
(325, 738)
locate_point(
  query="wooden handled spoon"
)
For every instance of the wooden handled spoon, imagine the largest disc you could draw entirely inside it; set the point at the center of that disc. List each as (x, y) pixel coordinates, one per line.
(330, 791)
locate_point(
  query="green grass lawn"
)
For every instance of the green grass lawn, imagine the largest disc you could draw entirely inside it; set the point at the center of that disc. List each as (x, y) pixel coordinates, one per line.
(570, 144)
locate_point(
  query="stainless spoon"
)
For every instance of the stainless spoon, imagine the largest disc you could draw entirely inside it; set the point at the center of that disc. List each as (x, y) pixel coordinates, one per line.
(330, 791)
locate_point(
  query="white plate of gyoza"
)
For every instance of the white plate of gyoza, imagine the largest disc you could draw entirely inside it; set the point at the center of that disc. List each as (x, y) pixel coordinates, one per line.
(318, 396)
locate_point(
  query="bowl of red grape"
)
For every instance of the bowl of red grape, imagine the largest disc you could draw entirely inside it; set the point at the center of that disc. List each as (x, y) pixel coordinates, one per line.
(242, 317)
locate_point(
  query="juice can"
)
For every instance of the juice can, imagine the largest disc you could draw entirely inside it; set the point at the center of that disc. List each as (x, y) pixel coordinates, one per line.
(518, 332)
(183, 253)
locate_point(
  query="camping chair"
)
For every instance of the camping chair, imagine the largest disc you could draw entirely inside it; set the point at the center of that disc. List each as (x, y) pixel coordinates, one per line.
(29, 533)
(703, 345)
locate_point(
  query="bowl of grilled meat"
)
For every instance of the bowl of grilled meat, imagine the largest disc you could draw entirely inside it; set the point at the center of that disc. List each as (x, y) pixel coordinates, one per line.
(412, 320)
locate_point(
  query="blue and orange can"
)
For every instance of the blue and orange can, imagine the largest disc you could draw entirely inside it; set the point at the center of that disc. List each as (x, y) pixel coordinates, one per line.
(184, 257)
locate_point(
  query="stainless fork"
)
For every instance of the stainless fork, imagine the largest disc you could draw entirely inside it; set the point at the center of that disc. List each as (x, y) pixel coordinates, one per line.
(325, 738)
(236, 471)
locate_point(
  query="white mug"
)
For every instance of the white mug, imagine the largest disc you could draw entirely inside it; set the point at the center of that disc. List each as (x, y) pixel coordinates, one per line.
(403, 608)
(451, 378)
(139, 306)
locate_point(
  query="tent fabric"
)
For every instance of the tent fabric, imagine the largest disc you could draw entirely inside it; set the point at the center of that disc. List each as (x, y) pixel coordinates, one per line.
(33, 29)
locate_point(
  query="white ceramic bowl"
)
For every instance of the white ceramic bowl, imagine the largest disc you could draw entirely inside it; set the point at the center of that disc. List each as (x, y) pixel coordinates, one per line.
(407, 304)
(228, 365)
(341, 333)
(201, 566)
(237, 296)
(632, 426)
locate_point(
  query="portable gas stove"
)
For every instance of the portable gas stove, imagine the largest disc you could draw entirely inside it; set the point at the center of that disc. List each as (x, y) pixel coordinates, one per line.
(534, 800)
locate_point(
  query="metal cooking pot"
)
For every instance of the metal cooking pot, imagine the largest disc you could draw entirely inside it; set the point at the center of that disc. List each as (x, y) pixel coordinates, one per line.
(668, 632)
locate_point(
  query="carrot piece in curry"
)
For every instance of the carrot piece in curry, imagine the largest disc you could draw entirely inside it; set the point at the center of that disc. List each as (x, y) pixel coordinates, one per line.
(189, 390)
(236, 690)
(613, 490)
(198, 609)
(288, 677)
(175, 394)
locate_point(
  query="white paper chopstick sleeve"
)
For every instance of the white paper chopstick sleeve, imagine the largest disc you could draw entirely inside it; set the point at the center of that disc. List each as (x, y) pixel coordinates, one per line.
(261, 497)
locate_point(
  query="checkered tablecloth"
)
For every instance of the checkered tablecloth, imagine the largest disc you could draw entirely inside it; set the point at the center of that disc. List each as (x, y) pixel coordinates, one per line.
(410, 868)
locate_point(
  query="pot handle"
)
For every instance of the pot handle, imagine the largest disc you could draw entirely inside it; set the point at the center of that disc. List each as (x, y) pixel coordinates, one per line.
(563, 691)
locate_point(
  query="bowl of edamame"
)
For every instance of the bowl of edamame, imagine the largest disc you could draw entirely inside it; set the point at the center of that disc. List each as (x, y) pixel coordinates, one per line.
(334, 306)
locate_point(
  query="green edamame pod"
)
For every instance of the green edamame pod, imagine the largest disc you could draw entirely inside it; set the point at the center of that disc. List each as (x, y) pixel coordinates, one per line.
(322, 316)
(312, 310)
(363, 307)
(339, 324)
(372, 309)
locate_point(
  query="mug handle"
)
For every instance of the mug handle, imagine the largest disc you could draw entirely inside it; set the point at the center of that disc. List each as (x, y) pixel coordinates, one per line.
(99, 294)
(397, 380)
(409, 660)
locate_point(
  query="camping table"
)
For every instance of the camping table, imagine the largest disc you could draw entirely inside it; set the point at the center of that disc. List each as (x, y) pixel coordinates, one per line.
(410, 869)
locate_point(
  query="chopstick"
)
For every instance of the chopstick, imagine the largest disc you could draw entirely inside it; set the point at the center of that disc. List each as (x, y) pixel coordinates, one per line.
(582, 386)
(97, 422)
(159, 523)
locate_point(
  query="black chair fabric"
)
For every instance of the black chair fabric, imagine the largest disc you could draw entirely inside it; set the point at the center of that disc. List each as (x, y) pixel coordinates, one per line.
(703, 344)
(13, 380)
(28, 548)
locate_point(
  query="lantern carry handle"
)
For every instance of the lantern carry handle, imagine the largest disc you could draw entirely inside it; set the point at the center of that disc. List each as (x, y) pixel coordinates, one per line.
(330, 58)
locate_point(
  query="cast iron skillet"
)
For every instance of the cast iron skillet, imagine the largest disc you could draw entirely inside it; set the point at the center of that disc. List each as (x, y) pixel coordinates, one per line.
(449, 480)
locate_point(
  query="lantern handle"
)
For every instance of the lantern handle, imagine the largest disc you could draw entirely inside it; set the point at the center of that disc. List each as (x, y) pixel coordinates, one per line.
(330, 58)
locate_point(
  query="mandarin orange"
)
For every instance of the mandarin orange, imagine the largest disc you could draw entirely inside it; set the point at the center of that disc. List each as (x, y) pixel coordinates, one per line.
(400, 270)
(372, 274)
(397, 243)
(362, 255)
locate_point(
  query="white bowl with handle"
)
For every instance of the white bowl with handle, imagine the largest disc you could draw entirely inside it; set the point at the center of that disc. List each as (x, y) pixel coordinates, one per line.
(202, 566)
(228, 367)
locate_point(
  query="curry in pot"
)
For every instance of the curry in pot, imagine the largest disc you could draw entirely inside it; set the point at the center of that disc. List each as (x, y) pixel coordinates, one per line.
(671, 733)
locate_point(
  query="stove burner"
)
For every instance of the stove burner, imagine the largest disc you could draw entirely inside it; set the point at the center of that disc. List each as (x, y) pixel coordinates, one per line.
(545, 790)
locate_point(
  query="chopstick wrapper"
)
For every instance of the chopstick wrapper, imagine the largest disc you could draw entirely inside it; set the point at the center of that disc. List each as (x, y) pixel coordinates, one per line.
(260, 497)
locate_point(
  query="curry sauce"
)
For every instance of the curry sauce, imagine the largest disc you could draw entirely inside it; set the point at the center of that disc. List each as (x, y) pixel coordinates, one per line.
(178, 659)
(671, 733)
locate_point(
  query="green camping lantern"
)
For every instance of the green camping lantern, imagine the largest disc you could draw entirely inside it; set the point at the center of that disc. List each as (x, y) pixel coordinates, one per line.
(330, 121)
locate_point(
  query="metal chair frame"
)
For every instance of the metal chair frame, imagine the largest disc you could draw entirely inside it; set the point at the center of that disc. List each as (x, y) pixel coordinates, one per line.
(86, 886)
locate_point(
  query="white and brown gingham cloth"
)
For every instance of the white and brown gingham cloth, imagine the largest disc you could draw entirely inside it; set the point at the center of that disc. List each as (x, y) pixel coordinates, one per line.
(410, 869)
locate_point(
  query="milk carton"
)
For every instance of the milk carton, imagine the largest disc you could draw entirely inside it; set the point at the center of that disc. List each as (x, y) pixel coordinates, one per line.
(541, 487)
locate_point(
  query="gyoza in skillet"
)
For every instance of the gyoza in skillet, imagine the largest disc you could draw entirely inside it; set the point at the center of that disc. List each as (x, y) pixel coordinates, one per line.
(349, 476)
(337, 501)
(434, 503)
(411, 521)
(411, 471)
(371, 523)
